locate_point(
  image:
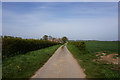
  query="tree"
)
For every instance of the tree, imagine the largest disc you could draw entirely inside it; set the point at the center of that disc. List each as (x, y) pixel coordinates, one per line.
(41, 39)
(54, 39)
(45, 37)
(49, 37)
(64, 39)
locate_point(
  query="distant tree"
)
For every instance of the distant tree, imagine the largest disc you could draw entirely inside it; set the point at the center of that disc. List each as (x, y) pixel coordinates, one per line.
(49, 37)
(54, 38)
(1, 36)
(64, 39)
(45, 37)
(8, 37)
(18, 37)
(41, 39)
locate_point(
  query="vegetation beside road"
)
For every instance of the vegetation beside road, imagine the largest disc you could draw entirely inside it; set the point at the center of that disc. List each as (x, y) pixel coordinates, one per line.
(25, 65)
(80, 44)
(85, 59)
(12, 46)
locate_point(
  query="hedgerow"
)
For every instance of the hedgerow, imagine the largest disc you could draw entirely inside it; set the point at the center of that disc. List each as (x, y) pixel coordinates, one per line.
(14, 45)
(80, 44)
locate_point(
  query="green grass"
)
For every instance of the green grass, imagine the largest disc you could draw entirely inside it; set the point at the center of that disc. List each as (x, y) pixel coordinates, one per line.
(0, 58)
(102, 46)
(24, 66)
(0, 69)
(93, 69)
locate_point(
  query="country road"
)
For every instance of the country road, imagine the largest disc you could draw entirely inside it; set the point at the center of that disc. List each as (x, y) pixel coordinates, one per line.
(60, 65)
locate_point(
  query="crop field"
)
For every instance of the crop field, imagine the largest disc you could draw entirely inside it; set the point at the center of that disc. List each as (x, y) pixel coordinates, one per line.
(94, 68)
(102, 46)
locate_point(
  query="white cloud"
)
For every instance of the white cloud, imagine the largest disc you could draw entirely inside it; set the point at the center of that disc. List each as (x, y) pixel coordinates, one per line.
(83, 28)
(37, 24)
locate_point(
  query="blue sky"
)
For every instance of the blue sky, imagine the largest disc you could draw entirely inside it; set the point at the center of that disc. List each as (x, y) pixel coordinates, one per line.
(60, 0)
(76, 20)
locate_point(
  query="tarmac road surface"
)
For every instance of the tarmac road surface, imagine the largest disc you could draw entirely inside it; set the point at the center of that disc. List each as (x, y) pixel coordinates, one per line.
(60, 65)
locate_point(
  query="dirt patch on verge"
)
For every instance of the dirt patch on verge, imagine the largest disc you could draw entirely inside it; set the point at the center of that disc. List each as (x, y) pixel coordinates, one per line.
(110, 58)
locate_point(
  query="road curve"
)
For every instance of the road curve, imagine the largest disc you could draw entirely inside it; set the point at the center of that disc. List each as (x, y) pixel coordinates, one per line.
(60, 65)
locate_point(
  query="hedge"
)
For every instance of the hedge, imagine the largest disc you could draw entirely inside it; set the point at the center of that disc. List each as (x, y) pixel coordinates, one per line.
(80, 44)
(13, 45)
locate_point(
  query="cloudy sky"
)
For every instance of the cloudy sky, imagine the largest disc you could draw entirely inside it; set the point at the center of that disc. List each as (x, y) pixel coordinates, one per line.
(76, 20)
(60, 0)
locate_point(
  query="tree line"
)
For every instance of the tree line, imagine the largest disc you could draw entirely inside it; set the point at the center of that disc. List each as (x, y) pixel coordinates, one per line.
(62, 40)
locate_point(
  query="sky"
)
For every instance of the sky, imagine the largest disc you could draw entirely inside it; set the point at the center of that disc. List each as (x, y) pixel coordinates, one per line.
(75, 20)
(0, 18)
(60, 0)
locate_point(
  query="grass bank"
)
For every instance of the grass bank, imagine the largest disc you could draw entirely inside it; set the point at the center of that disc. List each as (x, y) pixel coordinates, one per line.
(25, 65)
(93, 69)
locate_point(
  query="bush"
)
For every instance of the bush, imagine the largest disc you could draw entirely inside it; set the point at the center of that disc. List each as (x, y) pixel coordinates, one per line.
(14, 45)
(80, 44)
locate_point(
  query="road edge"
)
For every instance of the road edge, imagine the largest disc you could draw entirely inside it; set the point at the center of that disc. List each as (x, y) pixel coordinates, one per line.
(33, 76)
(83, 70)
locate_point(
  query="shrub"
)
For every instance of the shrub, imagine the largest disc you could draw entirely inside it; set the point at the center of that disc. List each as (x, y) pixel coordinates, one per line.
(80, 44)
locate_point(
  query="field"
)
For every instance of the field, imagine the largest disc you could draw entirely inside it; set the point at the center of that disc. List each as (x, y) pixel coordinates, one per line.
(25, 65)
(86, 59)
(103, 46)
(23, 57)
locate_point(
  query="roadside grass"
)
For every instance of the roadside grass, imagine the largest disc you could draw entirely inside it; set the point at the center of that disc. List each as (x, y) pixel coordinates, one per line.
(25, 65)
(93, 69)
(0, 58)
(0, 69)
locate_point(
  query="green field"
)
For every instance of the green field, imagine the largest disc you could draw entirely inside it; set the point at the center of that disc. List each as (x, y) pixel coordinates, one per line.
(103, 46)
(93, 69)
(25, 65)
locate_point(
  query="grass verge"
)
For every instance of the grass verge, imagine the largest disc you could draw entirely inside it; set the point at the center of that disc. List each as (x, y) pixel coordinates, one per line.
(25, 65)
(93, 69)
